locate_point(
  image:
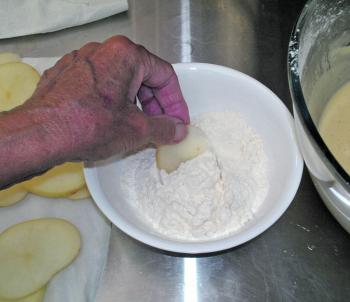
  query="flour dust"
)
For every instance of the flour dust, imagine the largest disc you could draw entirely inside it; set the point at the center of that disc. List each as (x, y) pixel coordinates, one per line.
(209, 197)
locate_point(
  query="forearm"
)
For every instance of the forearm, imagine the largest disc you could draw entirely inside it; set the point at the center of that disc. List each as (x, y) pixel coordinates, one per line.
(29, 144)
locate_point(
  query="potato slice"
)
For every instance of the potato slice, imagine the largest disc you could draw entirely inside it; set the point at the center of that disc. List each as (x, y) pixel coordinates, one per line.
(169, 157)
(60, 181)
(32, 252)
(82, 193)
(17, 84)
(38, 296)
(12, 195)
(7, 57)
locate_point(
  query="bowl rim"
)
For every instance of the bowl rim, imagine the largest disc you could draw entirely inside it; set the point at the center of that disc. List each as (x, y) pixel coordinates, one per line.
(216, 245)
(299, 101)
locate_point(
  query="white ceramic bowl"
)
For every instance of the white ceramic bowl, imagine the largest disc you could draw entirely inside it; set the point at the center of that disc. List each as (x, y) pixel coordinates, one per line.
(206, 88)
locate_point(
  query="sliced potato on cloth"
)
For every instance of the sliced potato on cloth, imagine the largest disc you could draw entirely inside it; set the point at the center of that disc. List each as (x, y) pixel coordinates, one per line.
(38, 296)
(12, 195)
(82, 193)
(7, 57)
(60, 181)
(169, 157)
(17, 84)
(18, 81)
(32, 252)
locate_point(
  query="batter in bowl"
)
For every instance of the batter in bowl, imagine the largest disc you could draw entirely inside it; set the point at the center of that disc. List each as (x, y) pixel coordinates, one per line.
(334, 126)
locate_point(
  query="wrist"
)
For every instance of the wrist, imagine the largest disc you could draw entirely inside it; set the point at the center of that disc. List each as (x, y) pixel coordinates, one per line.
(30, 143)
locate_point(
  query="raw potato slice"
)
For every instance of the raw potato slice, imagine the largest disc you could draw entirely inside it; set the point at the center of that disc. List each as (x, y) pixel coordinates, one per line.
(17, 84)
(60, 181)
(80, 194)
(169, 157)
(7, 57)
(12, 195)
(32, 252)
(38, 296)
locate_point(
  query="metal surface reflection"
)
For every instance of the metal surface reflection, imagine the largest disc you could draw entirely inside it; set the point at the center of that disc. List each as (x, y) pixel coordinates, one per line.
(190, 287)
(185, 31)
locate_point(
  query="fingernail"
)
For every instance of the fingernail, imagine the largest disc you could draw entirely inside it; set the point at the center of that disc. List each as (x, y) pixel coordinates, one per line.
(180, 132)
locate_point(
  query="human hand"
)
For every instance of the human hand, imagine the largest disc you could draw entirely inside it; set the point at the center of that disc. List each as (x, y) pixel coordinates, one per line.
(90, 96)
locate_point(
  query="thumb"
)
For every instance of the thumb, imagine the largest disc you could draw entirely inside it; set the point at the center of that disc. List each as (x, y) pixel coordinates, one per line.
(166, 130)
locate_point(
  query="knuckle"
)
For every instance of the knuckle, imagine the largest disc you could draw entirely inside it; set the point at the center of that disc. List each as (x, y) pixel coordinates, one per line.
(140, 49)
(143, 55)
(87, 48)
(123, 48)
(121, 43)
(92, 44)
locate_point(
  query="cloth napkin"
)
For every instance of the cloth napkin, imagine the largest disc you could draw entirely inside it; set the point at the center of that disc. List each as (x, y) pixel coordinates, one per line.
(80, 280)
(25, 17)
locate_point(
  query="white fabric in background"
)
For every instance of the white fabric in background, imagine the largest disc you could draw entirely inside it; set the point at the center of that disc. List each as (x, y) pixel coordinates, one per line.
(25, 17)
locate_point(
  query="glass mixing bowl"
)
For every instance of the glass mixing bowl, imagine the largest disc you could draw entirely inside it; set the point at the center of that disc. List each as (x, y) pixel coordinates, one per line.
(318, 65)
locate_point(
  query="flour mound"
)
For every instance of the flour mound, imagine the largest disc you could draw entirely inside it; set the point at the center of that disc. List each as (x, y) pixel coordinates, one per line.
(208, 197)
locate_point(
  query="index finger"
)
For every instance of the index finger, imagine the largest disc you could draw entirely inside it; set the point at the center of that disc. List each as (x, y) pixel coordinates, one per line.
(160, 76)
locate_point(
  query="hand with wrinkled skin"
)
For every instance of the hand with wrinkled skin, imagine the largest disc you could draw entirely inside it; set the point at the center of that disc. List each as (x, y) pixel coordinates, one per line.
(84, 109)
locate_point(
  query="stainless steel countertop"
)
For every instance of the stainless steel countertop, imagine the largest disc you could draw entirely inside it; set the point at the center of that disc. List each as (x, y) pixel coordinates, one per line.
(305, 255)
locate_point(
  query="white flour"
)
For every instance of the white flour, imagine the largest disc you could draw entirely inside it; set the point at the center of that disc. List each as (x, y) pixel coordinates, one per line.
(208, 197)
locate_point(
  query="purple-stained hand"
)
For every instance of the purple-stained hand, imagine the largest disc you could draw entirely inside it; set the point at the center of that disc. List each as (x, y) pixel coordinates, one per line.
(84, 109)
(93, 92)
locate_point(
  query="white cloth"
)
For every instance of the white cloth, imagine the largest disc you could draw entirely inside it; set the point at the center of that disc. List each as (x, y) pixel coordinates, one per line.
(25, 17)
(80, 280)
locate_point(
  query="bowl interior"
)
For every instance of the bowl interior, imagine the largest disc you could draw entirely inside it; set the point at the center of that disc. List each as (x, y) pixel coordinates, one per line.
(210, 88)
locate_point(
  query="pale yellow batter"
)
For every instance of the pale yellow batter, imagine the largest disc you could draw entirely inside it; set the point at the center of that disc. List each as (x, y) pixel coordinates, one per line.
(334, 126)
